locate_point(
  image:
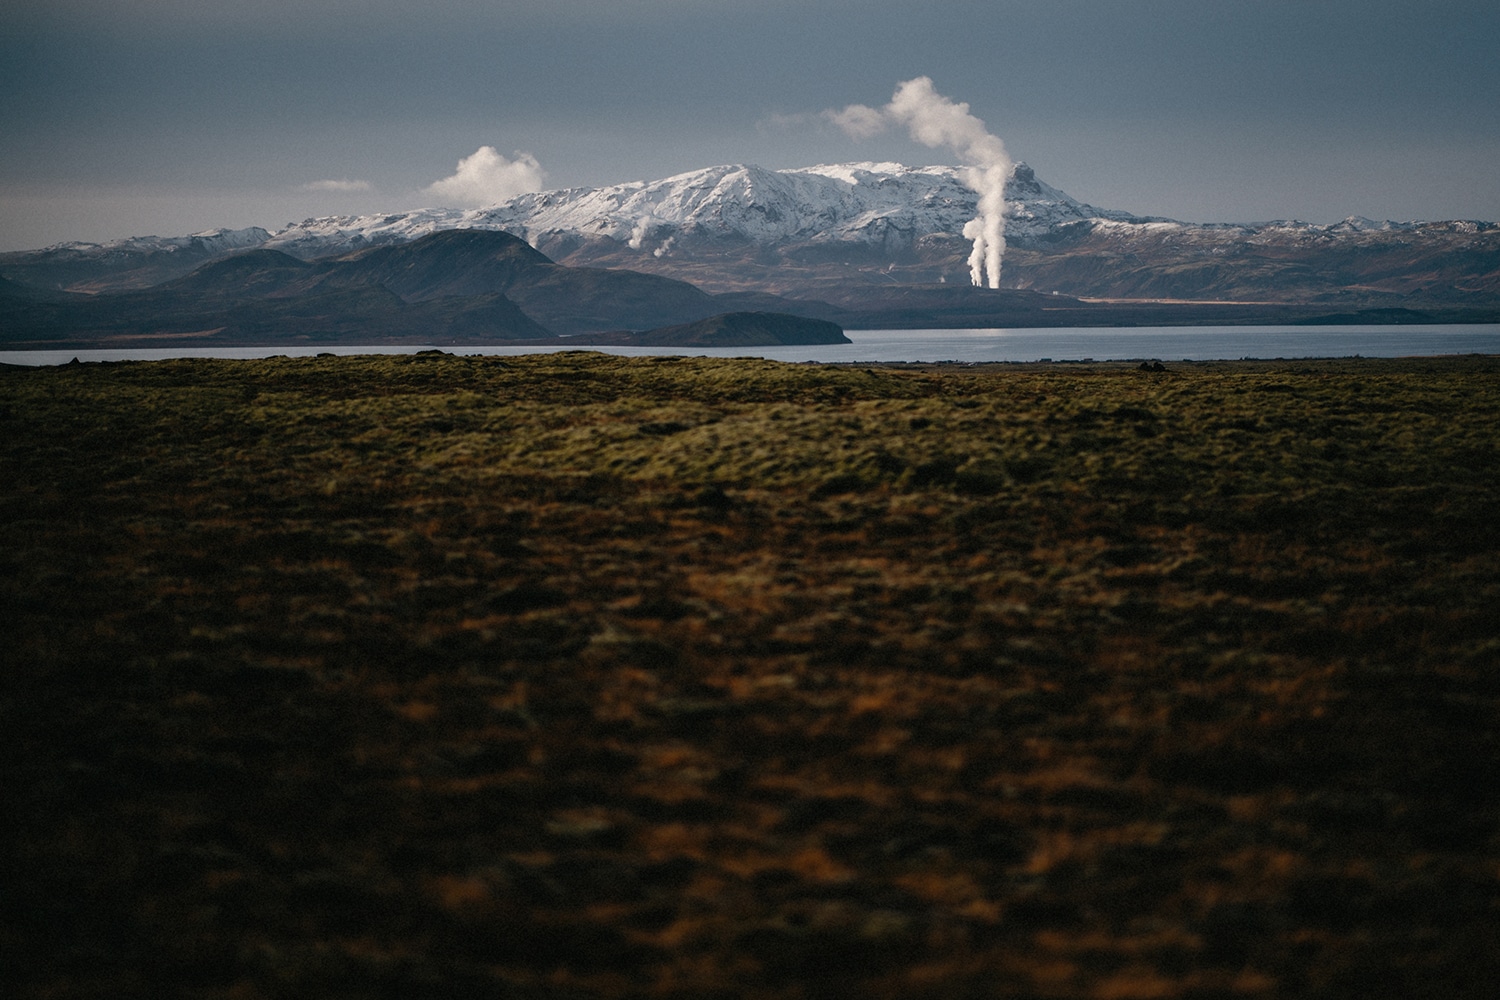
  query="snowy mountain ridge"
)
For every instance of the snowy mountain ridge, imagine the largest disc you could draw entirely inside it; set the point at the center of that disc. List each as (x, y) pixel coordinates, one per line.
(799, 231)
(863, 203)
(209, 242)
(869, 203)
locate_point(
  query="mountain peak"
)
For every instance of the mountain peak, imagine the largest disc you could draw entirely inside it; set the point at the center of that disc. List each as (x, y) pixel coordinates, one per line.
(862, 202)
(256, 271)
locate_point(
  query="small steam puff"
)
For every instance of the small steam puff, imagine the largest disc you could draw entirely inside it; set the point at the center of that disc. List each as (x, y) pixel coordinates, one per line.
(487, 178)
(934, 120)
(642, 229)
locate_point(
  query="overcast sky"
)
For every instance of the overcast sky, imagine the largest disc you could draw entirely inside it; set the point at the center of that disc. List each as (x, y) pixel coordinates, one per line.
(133, 117)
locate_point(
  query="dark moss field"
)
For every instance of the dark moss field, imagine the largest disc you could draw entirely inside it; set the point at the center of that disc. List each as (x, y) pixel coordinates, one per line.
(578, 676)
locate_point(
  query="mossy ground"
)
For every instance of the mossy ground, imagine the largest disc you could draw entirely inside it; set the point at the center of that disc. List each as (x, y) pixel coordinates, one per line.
(582, 676)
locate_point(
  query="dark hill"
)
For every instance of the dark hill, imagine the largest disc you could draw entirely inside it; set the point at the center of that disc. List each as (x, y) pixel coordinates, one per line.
(265, 297)
(448, 263)
(252, 274)
(457, 286)
(11, 290)
(568, 300)
(16, 292)
(473, 319)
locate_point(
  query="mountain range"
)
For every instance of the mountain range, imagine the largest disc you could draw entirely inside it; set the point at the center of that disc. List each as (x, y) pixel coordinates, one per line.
(726, 213)
(862, 244)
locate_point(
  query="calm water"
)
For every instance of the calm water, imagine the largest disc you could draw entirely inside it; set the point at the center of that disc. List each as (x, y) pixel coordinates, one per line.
(1196, 343)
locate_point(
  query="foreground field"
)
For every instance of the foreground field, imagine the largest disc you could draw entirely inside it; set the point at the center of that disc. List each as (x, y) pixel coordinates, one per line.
(583, 676)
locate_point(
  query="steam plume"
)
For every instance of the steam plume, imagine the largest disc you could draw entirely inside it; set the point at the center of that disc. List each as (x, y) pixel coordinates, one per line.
(934, 120)
(486, 178)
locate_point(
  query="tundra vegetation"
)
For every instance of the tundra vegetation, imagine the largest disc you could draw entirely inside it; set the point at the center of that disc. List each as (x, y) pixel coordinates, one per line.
(583, 676)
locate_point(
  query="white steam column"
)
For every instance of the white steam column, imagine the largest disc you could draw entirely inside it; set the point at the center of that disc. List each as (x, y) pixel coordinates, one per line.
(934, 120)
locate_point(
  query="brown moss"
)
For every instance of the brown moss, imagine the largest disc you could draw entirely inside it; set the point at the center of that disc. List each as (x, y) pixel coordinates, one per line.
(574, 675)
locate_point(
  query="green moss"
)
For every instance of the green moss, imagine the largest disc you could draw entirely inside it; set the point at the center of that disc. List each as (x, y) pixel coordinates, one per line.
(365, 674)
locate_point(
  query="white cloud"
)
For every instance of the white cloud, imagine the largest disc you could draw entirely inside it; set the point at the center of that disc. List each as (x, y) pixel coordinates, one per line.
(486, 178)
(344, 186)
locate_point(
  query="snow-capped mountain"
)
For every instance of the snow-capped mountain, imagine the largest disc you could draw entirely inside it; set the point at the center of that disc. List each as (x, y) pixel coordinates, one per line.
(862, 203)
(799, 231)
(210, 242)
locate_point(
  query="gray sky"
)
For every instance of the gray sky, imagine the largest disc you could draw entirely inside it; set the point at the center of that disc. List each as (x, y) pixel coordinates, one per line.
(133, 117)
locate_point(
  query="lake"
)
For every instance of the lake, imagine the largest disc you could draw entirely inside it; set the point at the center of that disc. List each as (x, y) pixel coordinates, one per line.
(1166, 343)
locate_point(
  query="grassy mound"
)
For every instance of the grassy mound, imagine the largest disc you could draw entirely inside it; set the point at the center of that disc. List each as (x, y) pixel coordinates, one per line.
(582, 676)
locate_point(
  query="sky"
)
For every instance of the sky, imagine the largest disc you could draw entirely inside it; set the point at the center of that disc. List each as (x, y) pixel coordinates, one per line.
(166, 117)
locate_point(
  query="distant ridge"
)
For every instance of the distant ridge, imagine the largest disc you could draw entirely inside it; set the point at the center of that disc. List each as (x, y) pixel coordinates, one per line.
(808, 232)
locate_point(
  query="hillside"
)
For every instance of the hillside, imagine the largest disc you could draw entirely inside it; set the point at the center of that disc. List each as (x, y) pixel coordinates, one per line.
(450, 287)
(566, 300)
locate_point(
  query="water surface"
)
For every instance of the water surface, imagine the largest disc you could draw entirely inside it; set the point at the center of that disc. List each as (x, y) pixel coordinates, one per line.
(1167, 343)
